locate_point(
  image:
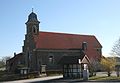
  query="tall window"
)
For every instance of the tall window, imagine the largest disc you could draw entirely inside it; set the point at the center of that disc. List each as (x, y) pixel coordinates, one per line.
(29, 56)
(34, 29)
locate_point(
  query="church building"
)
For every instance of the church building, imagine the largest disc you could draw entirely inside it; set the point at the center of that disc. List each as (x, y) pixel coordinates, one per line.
(47, 51)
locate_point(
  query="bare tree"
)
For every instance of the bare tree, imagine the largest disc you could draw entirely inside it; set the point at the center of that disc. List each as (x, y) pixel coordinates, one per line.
(5, 58)
(116, 48)
(95, 66)
(3, 61)
(2, 64)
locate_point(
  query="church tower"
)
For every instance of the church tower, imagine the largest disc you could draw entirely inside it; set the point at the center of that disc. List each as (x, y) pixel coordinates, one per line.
(32, 24)
(32, 29)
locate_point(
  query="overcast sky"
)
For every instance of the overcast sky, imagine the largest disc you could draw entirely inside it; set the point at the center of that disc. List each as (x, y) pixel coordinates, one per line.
(90, 17)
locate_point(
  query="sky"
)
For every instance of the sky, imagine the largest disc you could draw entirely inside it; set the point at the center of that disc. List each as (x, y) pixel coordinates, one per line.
(89, 17)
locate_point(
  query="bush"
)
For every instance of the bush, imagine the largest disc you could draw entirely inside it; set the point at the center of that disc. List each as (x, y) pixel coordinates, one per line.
(49, 73)
(34, 74)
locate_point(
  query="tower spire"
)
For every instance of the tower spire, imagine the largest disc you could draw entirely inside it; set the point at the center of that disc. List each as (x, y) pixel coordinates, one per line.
(32, 9)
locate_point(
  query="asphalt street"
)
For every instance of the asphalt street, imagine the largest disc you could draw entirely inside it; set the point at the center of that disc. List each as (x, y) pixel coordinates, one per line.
(59, 79)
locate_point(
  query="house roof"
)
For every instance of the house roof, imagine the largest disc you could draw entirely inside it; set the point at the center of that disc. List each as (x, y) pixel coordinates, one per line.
(70, 59)
(16, 57)
(74, 59)
(53, 40)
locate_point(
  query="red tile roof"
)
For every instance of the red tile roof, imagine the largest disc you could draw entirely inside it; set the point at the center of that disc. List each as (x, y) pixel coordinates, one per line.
(53, 40)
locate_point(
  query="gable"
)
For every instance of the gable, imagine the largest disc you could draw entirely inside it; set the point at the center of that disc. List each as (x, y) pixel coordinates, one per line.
(85, 60)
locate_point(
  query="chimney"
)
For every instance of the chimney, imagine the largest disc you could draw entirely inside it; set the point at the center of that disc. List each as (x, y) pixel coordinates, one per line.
(84, 46)
(14, 53)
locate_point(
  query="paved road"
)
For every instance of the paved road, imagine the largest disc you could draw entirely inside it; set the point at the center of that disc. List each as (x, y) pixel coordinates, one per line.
(36, 79)
(59, 79)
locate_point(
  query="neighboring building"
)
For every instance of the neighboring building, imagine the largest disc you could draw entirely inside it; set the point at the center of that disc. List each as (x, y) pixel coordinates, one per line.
(42, 51)
(73, 66)
(14, 63)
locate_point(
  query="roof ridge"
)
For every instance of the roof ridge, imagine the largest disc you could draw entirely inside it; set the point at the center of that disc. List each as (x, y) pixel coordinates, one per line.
(65, 33)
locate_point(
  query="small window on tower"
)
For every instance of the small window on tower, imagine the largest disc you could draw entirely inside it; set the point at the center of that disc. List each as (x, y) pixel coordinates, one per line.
(34, 29)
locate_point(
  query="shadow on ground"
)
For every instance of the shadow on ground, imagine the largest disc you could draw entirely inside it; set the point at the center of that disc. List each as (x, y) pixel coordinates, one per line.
(71, 81)
(59, 80)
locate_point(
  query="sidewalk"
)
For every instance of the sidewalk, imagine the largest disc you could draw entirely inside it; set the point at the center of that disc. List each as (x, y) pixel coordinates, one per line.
(35, 79)
(105, 73)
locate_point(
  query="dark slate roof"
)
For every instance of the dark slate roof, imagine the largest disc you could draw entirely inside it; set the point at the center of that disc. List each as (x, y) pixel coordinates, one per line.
(72, 59)
(32, 18)
(15, 58)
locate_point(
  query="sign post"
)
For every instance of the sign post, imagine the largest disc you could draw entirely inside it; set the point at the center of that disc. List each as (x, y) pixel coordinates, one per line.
(85, 72)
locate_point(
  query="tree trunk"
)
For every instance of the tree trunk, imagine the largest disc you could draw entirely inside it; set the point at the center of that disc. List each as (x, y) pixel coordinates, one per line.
(109, 73)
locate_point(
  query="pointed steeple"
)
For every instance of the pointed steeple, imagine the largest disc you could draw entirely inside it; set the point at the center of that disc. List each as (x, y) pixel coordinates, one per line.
(32, 9)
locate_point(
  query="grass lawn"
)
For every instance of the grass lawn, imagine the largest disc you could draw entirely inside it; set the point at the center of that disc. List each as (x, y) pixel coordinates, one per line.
(105, 78)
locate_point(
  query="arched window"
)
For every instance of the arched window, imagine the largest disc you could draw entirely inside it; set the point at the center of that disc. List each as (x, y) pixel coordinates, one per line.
(28, 58)
(51, 58)
(34, 29)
